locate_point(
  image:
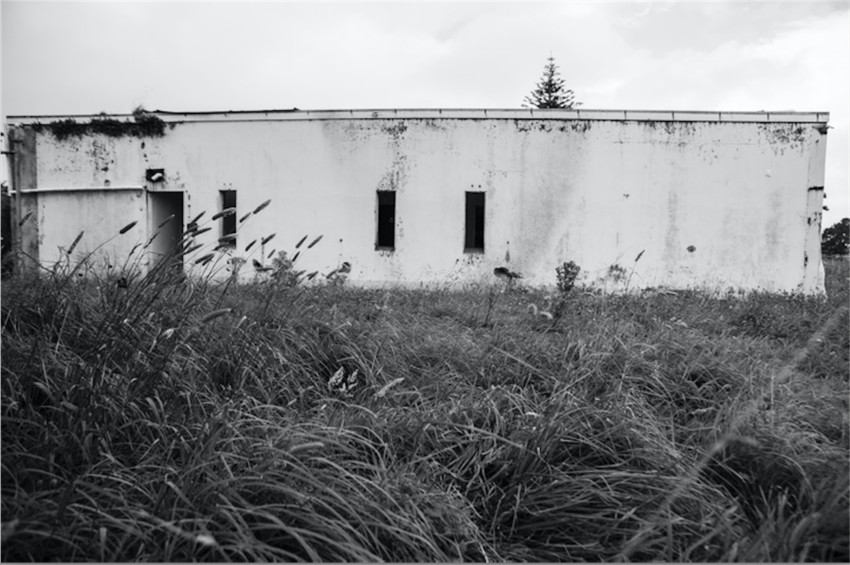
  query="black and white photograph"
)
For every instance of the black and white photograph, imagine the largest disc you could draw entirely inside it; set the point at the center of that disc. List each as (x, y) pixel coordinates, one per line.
(425, 281)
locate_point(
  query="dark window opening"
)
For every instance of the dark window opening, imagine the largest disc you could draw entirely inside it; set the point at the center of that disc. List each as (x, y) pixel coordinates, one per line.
(386, 219)
(228, 221)
(474, 239)
(154, 175)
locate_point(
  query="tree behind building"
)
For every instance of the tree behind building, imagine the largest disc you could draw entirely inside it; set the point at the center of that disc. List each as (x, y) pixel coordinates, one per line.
(836, 238)
(550, 91)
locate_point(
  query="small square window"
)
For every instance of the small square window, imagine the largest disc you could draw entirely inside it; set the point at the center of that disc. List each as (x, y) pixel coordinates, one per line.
(154, 175)
(474, 236)
(386, 220)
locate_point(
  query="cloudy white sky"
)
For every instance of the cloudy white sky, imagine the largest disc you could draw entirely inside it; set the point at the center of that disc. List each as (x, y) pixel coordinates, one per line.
(87, 57)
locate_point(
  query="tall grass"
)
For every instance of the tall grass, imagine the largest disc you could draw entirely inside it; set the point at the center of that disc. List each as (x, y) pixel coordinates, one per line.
(177, 419)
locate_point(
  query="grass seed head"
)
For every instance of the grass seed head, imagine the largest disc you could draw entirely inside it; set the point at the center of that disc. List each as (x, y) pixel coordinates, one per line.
(205, 259)
(224, 213)
(307, 446)
(76, 241)
(215, 314)
(260, 208)
(386, 388)
(127, 228)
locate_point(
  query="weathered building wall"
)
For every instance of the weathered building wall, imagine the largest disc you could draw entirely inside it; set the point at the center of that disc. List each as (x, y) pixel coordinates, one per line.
(712, 201)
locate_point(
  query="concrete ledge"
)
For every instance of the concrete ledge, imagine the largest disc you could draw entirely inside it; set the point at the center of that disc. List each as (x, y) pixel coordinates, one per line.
(45, 189)
(455, 114)
(745, 117)
(648, 115)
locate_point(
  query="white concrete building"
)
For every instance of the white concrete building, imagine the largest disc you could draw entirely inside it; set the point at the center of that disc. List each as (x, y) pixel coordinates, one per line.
(441, 197)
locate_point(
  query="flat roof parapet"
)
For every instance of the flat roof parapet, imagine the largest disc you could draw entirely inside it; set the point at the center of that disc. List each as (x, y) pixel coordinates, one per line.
(456, 114)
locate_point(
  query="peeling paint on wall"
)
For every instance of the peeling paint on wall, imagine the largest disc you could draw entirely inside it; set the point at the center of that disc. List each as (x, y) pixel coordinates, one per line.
(782, 137)
(712, 204)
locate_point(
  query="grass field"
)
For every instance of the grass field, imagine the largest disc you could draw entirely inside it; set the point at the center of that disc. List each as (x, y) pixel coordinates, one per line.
(175, 420)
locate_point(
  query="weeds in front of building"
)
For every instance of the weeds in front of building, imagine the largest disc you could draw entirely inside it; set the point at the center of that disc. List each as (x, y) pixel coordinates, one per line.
(169, 419)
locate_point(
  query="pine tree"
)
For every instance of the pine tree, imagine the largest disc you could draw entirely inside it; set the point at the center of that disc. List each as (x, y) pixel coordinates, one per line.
(550, 91)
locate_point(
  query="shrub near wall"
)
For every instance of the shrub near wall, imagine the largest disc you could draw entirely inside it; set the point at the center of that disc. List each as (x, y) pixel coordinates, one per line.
(836, 238)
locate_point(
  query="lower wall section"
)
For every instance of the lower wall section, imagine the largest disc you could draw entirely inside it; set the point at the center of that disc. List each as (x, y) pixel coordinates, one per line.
(100, 216)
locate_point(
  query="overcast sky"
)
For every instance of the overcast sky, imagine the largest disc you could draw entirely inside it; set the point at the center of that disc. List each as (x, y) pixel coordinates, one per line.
(87, 57)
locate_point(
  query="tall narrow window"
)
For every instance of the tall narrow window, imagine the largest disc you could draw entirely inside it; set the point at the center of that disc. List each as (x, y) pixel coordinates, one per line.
(228, 221)
(386, 219)
(474, 238)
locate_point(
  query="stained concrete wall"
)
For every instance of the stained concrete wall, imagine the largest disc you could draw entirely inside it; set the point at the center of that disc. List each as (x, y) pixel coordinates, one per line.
(712, 201)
